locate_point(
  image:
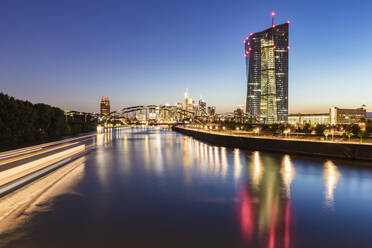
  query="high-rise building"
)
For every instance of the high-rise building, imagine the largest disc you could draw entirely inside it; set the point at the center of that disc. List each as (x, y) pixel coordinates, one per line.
(211, 110)
(105, 106)
(239, 111)
(188, 102)
(202, 108)
(266, 54)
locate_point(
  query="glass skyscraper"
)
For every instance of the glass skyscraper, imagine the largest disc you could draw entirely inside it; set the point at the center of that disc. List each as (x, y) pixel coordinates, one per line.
(266, 54)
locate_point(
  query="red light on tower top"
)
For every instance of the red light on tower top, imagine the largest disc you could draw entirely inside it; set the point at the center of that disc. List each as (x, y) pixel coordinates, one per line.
(273, 13)
(288, 21)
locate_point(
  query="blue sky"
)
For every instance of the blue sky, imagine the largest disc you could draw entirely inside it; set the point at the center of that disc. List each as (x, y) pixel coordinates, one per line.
(69, 53)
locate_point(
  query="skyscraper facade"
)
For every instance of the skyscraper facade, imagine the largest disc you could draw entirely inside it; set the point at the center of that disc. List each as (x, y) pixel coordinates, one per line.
(189, 103)
(202, 108)
(105, 106)
(266, 54)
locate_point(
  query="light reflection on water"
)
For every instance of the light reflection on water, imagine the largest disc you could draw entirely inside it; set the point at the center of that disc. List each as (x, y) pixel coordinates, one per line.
(147, 181)
(331, 176)
(288, 173)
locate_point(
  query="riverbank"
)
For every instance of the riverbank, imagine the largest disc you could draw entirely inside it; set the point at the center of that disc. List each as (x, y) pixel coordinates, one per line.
(341, 150)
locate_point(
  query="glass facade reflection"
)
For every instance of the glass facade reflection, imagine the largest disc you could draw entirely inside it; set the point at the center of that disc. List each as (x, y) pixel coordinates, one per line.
(266, 56)
(265, 208)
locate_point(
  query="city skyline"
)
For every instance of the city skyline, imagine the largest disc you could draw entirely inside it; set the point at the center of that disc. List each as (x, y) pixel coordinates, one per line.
(69, 55)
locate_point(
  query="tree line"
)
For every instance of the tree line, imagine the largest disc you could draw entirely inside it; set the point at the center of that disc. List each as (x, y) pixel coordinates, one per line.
(23, 123)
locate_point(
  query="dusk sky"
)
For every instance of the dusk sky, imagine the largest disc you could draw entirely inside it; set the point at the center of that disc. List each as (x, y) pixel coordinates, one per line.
(70, 53)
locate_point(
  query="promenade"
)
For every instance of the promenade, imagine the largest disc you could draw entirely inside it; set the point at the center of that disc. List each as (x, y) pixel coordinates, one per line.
(326, 148)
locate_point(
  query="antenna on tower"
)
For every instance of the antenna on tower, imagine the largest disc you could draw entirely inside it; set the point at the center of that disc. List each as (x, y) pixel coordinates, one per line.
(272, 16)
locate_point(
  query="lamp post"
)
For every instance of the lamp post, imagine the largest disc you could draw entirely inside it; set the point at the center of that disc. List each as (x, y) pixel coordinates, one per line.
(257, 131)
(326, 133)
(286, 132)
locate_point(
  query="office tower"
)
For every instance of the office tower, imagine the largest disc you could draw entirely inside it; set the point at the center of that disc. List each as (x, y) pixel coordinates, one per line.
(266, 54)
(202, 108)
(211, 110)
(188, 102)
(105, 106)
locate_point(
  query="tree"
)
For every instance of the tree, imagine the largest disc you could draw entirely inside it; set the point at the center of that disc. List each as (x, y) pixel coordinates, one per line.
(361, 135)
(320, 129)
(306, 128)
(354, 128)
(23, 123)
(348, 134)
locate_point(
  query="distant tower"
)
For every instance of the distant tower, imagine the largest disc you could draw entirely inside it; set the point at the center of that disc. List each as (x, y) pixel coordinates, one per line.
(202, 107)
(188, 102)
(105, 106)
(266, 55)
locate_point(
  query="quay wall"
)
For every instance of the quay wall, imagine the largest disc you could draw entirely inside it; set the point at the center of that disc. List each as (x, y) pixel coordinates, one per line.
(291, 146)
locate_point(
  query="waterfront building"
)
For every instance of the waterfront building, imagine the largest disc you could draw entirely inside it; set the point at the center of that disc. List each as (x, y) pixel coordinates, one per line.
(347, 116)
(335, 116)
(105, 106)
(266, 55)
(71, 114)
(312, 119)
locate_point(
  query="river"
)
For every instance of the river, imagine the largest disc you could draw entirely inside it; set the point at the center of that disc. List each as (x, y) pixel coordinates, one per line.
(150, 187)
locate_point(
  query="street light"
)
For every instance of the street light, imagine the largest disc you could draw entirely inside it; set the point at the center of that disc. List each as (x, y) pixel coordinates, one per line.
(257, 130)
(326, 133)
(332, 133)
(286, 132)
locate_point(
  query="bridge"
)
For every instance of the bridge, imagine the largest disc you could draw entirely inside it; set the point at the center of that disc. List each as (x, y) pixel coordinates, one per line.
(157, 113)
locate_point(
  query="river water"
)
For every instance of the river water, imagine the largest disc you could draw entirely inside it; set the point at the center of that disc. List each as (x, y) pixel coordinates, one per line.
(148, 187)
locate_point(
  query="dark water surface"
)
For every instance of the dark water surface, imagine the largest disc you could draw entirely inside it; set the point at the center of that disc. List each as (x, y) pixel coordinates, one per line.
(158, 188)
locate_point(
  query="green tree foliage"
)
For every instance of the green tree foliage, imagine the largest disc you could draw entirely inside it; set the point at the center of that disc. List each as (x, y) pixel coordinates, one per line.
(23, 123)
(320, 129)
(355, 129)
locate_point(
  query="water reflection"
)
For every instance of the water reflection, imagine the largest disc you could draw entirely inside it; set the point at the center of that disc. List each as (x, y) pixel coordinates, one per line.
(237, 164)
(256, 169)
(100, 139)
(265, 209)
(288, 173)
(179, 192)
(331, 176)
